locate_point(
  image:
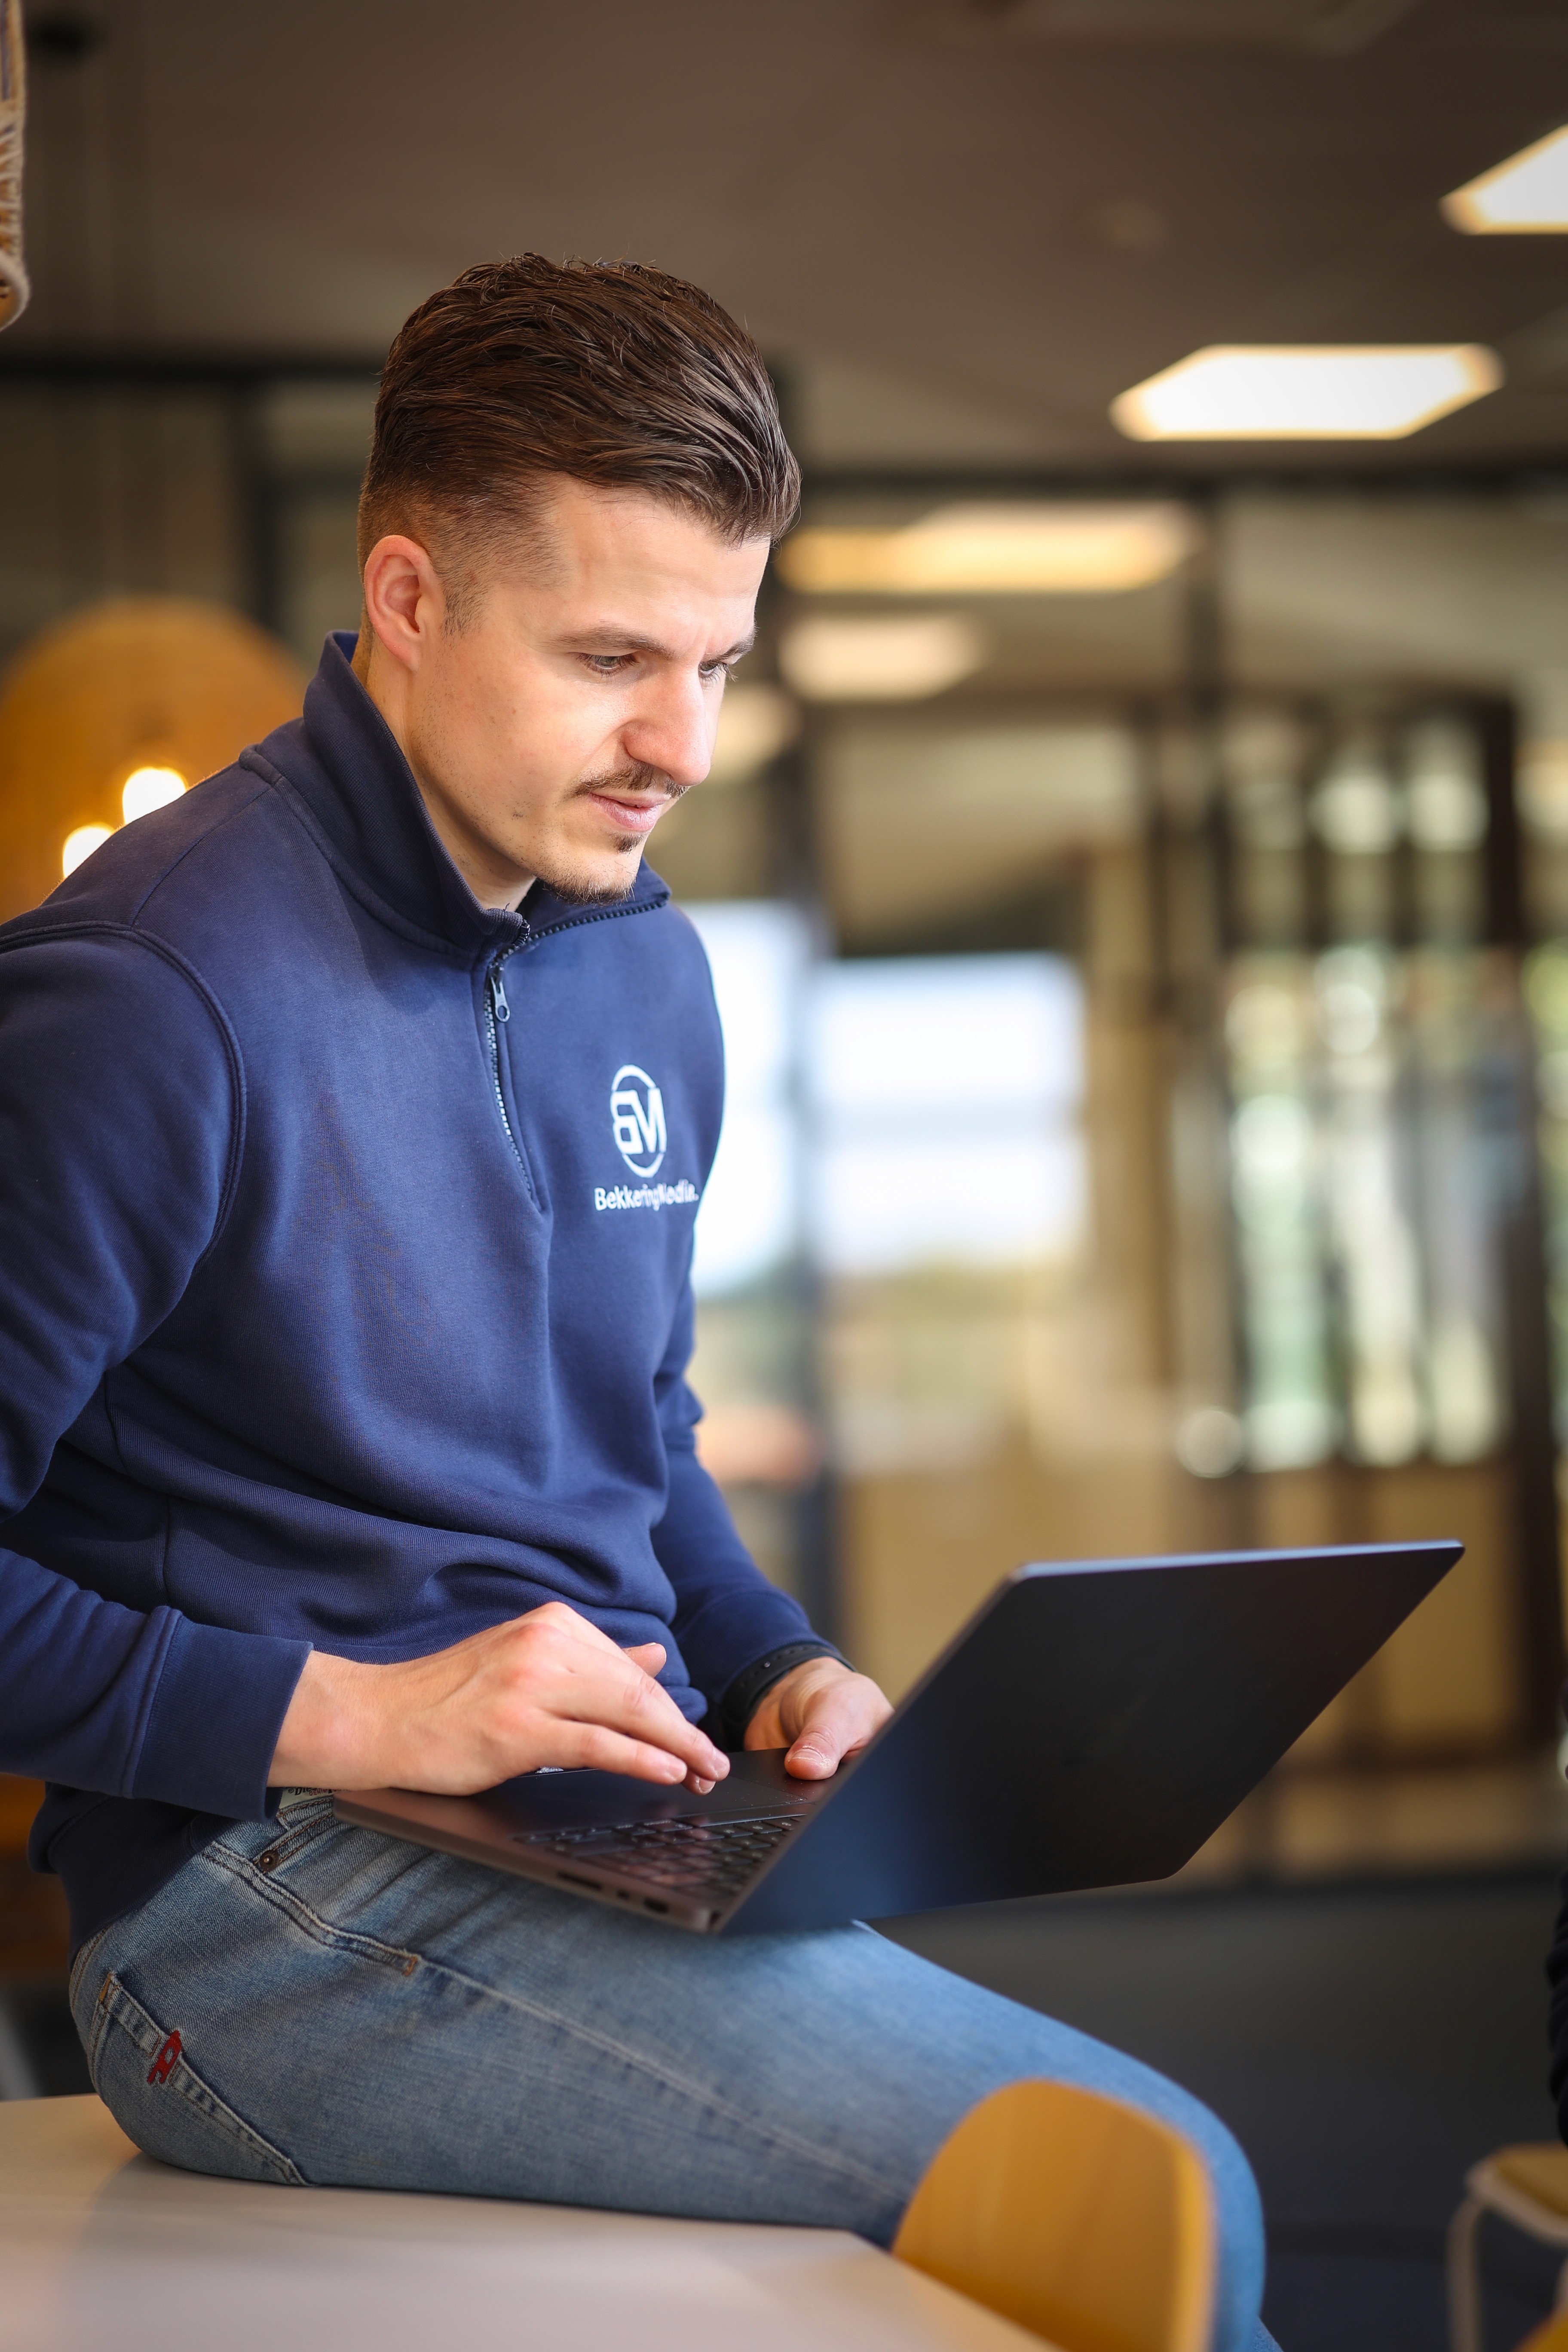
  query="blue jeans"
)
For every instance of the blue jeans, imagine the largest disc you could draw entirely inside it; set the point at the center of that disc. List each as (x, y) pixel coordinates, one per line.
(307, 2002)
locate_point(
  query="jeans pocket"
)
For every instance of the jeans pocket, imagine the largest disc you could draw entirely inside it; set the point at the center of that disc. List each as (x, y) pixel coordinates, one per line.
(296, 1829)
(142, 2072)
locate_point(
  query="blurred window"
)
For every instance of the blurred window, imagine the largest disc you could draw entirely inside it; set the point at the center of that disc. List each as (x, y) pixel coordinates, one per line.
(945, 1093)
(748, 1225)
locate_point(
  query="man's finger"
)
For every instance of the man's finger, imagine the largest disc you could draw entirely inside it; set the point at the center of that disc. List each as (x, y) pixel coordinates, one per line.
(607, 1750)
(636, 1704)
(840, 1719)
(631, 1701)
(592, 1745)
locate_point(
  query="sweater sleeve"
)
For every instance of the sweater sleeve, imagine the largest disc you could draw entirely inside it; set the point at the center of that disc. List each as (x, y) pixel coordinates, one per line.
(729, 1618)
(121, 1124)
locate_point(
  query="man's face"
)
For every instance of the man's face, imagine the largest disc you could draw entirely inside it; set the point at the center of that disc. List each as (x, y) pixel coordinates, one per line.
(577, 700)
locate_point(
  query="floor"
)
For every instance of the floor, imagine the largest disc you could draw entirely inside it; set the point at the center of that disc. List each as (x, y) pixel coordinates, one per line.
(1366, 2040)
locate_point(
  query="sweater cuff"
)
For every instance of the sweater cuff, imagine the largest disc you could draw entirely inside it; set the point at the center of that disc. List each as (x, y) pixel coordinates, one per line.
(752, 1684)
(214, 1719)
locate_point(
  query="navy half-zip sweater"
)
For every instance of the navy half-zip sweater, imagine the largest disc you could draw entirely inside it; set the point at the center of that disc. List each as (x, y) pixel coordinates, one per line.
(345, 1235)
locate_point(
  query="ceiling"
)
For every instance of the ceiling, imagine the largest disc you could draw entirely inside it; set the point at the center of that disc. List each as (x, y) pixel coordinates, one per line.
(958, 227)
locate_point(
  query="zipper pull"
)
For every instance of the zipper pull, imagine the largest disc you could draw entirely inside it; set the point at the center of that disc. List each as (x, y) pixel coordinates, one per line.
(500, 1008)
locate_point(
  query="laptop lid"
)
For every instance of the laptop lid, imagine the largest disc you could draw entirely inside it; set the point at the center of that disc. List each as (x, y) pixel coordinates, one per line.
(1092, 1726)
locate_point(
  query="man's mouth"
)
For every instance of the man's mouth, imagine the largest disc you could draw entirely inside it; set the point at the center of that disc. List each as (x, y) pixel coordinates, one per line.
(635, 799)
(632, 816)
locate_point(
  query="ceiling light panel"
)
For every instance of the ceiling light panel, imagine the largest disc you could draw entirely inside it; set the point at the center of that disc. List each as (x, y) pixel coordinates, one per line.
(899, 659)
(1525, 196)
(996, 550)
(1284, 391)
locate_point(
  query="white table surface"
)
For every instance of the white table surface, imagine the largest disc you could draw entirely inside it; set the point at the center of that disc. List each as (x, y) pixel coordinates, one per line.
(102, 2250)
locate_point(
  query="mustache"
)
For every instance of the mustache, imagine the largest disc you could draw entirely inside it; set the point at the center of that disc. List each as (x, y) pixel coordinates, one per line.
(638, 778)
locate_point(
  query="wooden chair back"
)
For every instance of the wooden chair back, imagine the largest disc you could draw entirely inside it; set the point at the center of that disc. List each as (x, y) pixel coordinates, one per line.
(1087, 2221)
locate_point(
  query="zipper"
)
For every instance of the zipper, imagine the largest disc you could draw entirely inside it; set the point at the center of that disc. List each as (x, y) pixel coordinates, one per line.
(497, 1013)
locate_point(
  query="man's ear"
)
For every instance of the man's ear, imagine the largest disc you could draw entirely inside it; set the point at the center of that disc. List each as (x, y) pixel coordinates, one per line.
(404, 603)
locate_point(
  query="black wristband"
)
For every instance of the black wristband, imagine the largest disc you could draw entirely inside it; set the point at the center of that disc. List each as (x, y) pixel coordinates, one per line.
(740, 1701)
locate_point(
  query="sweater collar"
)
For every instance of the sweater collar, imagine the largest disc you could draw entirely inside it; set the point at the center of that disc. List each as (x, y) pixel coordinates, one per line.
(343, 762)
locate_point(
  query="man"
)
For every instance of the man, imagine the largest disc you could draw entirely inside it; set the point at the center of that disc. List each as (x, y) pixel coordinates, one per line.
(345, 1431)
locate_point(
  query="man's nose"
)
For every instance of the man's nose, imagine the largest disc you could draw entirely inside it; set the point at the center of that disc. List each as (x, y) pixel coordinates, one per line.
(672, 729)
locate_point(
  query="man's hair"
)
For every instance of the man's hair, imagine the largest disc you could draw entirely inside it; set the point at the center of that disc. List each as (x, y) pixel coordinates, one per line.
(609, 372)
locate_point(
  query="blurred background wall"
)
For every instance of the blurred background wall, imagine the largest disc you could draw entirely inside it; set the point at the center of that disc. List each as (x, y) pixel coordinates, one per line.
(1135, 873)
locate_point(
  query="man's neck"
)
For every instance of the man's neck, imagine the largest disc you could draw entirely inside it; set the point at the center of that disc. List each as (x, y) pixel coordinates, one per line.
(498, 892)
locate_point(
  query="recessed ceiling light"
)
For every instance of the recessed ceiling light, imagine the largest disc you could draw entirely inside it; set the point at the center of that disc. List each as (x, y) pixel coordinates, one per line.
(1130, 226)
(1525, 196)
(147, 789)
(900, 659)
(996, 550)
(1311, 392)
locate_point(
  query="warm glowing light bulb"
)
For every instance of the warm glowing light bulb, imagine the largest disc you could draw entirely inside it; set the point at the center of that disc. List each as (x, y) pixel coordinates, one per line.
(149, 788)
(81, 844)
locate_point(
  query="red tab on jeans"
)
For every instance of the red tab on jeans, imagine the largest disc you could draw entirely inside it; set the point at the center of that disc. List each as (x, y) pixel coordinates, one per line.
(163, 2064)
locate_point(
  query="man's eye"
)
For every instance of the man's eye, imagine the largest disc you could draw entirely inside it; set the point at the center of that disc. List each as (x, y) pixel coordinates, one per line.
(724, 669)
(607, 665)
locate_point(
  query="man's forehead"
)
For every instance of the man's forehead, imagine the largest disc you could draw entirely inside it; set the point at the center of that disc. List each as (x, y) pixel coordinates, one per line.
(581, 519)
(614, 570)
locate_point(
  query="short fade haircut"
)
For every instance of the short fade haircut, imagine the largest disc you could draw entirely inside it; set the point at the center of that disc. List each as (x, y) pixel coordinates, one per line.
(608, 373)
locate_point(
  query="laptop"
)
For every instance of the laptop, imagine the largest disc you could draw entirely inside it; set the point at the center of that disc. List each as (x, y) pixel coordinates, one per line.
(1091, 1725)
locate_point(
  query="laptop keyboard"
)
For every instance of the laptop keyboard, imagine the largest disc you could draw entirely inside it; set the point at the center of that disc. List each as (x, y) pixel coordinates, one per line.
(694, 1855)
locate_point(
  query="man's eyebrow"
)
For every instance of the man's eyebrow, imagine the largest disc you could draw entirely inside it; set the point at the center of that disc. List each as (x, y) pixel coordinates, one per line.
(611, 640)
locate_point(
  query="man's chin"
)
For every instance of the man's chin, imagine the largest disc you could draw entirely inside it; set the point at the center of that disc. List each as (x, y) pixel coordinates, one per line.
(595, 881)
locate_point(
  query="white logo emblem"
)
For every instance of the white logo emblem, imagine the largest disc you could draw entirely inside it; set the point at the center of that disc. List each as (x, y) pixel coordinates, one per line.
(637, 1119)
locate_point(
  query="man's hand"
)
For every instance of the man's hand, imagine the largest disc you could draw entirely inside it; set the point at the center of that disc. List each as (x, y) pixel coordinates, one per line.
(821, 1713)
(546, 1689)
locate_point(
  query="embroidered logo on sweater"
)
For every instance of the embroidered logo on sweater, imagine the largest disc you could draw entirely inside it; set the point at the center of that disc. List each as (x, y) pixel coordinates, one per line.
(679, 1195)
(637, 1119)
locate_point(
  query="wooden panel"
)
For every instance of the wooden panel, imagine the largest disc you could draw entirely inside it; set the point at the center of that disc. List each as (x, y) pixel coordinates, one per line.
(19, 1801)
(33, 1931)
(1449, 1673)
(922, 1552)
(1448, 1679)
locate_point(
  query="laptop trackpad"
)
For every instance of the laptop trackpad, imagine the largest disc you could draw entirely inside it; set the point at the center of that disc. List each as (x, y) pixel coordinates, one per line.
(544, 1801)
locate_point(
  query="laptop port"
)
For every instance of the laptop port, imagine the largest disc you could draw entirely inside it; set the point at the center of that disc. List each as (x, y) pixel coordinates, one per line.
(652, 1903)
(570, 1878)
